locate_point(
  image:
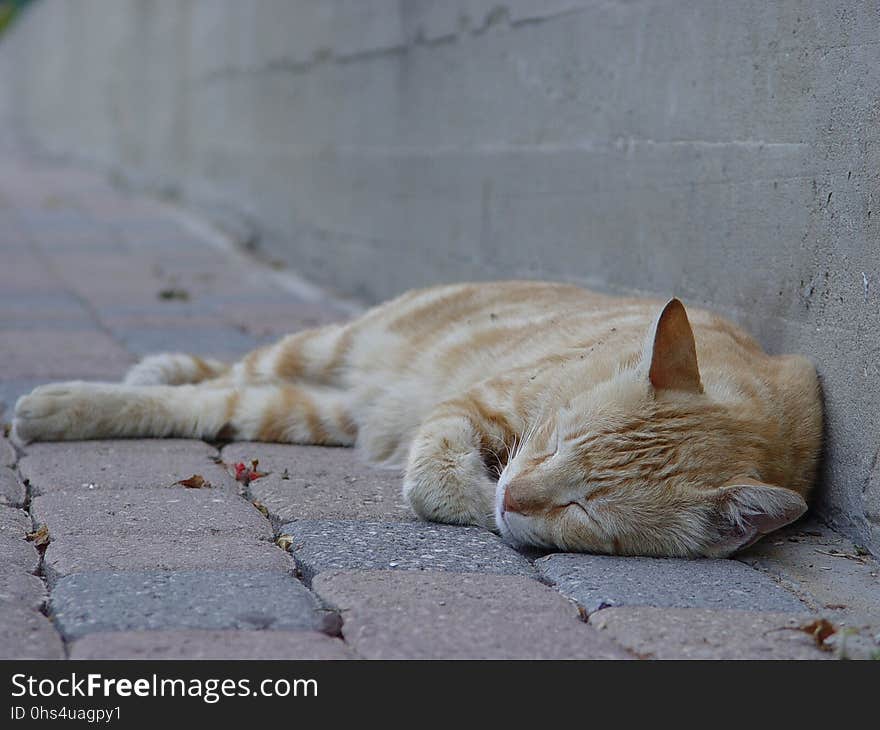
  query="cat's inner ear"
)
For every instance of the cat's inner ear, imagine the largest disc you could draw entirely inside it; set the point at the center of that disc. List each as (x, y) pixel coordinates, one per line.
(671, 351)
(745, 510)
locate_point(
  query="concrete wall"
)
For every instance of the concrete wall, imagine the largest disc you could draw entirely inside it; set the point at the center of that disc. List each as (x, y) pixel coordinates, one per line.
(726, 152)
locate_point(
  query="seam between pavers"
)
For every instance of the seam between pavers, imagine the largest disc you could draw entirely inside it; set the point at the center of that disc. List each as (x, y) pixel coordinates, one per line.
(581, 616)
(788, 586)
(44, 609)
(584, 617)
(245, 491)
(534, 575)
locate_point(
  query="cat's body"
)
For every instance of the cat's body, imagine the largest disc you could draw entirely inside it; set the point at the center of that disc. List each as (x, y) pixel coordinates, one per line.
(560, 416)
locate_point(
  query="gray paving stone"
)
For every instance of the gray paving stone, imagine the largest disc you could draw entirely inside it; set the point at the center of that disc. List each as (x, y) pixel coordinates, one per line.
(17, 553)
(41, 310)
(27, 634)
(146, 305)
(195, 644)
(42, 220)
(86, 603)
(436, 615)
(322, 483)
(124, 278)
(12, 491)
(185, 320)
(597, 581)
(830, 573)
(8, 456)
(21, 588)
(122, 464)
(222, 342)
(663, 633)
(86, 243)
(26, 276)
(14, 522)
(84, 553)
(174, 511)
(320, 545)
(47, 321)
(35, 354)
(58, 303)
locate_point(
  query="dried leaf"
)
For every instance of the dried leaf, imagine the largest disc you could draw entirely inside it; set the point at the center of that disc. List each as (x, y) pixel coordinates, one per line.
(172, 293)
(7, 428)
(196, 481)
(260, 506)
(284, 542)
(820, 629)
(246, 475)
(40, 538)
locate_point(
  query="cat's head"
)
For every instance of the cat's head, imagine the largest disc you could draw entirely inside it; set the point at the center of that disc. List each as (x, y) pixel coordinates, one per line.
(643, 464)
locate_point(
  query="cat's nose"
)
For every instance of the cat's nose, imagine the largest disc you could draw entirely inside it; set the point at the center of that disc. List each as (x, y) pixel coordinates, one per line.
(509, 502)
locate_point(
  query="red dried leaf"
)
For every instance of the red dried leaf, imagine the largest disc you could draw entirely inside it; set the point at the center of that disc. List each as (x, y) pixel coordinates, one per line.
(245, 474)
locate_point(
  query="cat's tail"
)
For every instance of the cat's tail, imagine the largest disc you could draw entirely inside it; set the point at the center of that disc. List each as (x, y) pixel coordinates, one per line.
(174, 368)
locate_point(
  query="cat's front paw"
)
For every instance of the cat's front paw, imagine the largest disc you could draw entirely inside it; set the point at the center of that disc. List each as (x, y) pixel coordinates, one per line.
(53, 412)
(438, 498)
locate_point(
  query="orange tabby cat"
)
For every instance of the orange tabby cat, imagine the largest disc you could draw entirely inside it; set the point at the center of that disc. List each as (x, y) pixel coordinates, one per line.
(555, 415)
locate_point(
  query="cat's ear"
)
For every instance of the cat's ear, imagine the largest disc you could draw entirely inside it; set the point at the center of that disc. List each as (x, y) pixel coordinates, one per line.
(670, 351)
(744, 510)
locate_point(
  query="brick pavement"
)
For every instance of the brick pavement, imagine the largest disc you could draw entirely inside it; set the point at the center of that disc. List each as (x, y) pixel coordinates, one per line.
(321, 558)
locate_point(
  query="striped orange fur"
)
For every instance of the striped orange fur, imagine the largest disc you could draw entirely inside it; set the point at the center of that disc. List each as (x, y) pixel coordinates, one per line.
(555, 415)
